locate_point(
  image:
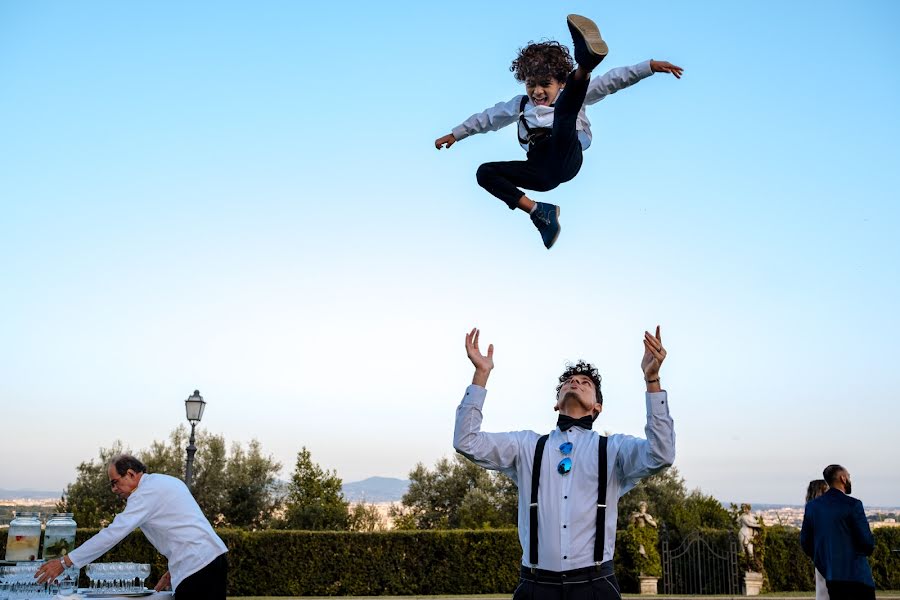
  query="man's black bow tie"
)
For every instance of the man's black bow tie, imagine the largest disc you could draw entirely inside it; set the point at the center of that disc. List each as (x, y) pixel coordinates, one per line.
(565, 422)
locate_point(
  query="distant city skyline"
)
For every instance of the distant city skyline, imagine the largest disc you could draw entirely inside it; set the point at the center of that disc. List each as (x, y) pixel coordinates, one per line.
(227, 197)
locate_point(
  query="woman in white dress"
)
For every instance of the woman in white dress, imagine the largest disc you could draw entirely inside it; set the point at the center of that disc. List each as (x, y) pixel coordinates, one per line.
(816, 488)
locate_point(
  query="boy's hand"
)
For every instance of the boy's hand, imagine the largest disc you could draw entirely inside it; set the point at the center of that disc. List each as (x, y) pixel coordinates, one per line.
(662, 66)
(445, 142)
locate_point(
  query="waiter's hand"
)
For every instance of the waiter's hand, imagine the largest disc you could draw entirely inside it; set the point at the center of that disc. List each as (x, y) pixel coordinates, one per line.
(49, 571)
(164, 583)
(484, 364)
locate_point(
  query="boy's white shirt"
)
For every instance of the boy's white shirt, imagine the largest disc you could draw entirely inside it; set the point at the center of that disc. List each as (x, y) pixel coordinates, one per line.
(507, 113)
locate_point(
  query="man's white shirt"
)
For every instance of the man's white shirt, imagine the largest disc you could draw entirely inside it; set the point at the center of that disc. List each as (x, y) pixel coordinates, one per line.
(567, 504)
(164, 510)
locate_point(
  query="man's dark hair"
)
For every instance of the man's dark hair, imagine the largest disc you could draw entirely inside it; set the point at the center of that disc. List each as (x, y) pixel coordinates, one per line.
(542, 60)
(123, 462)
(831, 474)
(582, 368)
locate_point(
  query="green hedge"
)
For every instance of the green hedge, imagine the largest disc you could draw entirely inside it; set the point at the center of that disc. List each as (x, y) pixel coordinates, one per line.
(306, 563)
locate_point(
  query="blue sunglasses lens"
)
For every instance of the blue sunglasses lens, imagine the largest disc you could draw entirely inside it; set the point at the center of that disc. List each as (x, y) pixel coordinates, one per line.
(564, 466)
(566, 448)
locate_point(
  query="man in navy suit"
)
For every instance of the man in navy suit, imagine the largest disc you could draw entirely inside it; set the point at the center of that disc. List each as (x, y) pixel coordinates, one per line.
(837, 537)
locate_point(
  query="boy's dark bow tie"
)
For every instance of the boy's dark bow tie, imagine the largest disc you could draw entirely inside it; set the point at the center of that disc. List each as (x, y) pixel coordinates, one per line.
(565, 422)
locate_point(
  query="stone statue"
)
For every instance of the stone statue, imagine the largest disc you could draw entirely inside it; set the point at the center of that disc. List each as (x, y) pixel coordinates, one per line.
(642, 517)
(749, 526)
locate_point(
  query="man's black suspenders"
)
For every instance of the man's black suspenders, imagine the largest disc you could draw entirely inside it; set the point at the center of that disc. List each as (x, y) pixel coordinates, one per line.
(600, 536)
(535, 482)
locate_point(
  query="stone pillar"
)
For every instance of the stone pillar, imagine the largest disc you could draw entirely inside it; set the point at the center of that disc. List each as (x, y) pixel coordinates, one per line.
(648, 585)
(752, 583)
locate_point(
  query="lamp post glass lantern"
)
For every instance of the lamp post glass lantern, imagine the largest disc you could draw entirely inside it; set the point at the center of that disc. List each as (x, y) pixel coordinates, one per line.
(193, 407)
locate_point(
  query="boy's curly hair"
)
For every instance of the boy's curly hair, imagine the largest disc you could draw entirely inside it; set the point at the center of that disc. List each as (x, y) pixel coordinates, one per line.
(542, 60)
(582, 368)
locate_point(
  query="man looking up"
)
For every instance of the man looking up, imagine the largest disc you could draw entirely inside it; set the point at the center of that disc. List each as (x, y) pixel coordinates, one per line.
(163, 508)
(571, 479)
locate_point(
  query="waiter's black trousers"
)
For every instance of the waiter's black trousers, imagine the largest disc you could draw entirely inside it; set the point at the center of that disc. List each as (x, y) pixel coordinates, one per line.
(550, 162)
(206, 584)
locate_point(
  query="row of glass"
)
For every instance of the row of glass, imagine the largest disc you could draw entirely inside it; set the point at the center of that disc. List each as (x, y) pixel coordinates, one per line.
(117, 577)
(18, 582)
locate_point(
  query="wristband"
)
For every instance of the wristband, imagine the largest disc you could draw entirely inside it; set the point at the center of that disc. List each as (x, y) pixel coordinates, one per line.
(62, 561)
(652, 380)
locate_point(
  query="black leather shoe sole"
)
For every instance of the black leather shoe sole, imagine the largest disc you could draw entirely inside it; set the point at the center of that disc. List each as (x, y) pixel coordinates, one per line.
(586, 36)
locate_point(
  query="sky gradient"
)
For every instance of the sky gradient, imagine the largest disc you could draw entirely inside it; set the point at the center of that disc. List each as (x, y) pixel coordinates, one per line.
(245, 198)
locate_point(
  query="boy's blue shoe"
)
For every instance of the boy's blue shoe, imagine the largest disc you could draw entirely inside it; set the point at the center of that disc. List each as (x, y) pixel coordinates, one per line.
(546, 218)
(590, 49)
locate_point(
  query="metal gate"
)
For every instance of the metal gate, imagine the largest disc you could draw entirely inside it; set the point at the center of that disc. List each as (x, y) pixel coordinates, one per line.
(696, 567)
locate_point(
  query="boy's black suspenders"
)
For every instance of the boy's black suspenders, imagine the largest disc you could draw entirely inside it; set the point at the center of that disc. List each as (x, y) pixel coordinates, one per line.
(600, 535)
(533, 135)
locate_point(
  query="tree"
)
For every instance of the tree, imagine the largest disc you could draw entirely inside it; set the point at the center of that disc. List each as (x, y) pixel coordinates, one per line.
(667, 498)
(457, 494)
(314, 500)
(249, 483)
(89, 498)
(365, 517)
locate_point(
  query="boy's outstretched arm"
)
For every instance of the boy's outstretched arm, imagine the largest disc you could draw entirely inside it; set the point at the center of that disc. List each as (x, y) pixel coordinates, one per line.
(445, 141)
(622, 77)
(498, 116)
(664, 66)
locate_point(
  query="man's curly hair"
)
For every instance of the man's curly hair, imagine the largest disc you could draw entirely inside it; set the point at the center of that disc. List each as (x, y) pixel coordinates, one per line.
(582, 368)
(542, 60)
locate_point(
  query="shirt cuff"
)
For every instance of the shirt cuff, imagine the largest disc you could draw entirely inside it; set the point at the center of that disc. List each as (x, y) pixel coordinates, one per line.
(475, 395)
(460, 132)
(644, 69)
(658, 403)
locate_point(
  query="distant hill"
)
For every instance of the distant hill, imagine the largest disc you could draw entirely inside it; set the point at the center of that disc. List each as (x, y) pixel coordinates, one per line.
(32, 494)
(376, 489)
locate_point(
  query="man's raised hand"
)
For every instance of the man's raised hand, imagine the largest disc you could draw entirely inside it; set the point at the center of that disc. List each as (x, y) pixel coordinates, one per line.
(654, 355)
(484, 364)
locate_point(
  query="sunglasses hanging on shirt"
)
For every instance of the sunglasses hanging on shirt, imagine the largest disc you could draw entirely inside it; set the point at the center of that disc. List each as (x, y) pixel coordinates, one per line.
(565, 465)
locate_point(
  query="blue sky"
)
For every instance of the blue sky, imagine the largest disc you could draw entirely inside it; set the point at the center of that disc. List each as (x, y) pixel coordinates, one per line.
(244, 198)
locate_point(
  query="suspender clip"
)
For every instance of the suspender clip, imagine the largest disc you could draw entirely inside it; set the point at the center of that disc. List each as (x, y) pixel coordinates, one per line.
(601, 506)
(533, 504)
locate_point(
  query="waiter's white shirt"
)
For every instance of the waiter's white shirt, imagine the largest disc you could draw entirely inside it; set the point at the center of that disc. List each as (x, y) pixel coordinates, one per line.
(163, 508)
(507, 113)
(567, 504)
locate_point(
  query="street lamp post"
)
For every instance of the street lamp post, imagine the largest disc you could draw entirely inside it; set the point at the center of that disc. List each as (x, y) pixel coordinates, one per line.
(193, 406)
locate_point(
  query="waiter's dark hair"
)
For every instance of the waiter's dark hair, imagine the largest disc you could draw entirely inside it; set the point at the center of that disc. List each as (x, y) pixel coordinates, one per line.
(831, 474)
(582, 368)
(123, 462)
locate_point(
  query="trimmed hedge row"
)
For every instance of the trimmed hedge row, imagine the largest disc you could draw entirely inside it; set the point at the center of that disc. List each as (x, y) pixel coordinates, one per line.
(310, 563)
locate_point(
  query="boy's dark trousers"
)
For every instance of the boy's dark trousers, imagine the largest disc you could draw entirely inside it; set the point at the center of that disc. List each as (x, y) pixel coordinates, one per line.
(206, 584)
(600, 585)
(550, 162)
